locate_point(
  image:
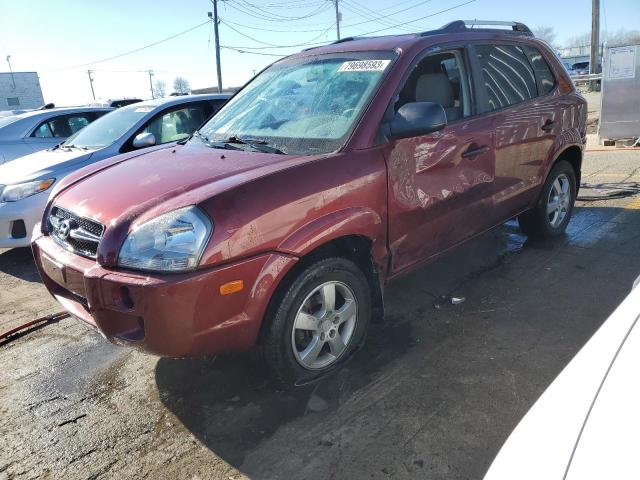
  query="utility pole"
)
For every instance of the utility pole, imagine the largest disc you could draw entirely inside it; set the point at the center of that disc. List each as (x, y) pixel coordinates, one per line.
(13, 80)
(335, 3)
(151, 82)
(217, 38)
(91, 83)
(595, 40)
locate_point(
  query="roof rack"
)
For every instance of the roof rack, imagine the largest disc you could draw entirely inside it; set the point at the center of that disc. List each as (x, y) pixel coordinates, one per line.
(469, 25)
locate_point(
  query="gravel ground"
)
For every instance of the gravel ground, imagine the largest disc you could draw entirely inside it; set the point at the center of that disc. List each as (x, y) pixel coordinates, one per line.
(434, 393)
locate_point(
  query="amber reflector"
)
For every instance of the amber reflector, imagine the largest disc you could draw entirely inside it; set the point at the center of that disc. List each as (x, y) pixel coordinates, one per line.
(231, 287)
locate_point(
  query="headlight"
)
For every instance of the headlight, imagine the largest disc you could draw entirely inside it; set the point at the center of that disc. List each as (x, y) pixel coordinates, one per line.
(172, 242)
(13, 193)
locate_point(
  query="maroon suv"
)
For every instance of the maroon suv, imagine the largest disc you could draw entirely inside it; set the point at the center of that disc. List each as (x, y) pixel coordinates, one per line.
(332, 172)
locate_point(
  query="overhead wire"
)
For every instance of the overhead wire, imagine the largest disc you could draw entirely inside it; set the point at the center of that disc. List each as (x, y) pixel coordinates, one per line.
(131, 51)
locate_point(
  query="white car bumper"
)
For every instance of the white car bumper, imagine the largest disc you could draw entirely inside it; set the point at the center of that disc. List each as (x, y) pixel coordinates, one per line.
(28, 211)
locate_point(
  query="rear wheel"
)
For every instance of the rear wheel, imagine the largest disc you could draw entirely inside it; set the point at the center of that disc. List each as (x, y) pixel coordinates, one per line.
(320, 320)
(552, 213)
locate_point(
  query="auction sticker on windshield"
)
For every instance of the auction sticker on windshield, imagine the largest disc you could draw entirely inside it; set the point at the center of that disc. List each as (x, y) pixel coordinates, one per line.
(364, 66)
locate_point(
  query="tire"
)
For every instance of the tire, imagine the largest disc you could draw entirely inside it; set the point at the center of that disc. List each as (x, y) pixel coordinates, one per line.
(541, 221)
(306, 305)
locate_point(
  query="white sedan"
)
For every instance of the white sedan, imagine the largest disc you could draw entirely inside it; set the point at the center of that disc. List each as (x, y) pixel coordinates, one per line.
(585, 425)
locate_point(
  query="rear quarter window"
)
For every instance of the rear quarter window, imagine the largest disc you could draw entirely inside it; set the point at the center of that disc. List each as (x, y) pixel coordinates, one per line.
(544, 76)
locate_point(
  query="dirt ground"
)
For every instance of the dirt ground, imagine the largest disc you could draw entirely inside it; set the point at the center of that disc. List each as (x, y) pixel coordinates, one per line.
(433, 394)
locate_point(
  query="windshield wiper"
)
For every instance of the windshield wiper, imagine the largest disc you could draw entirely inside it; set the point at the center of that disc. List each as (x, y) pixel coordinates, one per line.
(62, 145)
(195, 133)
(256, 143)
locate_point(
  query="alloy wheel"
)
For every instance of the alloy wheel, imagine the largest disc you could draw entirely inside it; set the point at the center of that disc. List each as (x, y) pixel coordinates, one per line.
(324, 325)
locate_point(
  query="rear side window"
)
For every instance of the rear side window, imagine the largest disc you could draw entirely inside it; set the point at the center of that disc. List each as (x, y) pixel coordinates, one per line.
(545, 79)
(507, 75)
(43, 131)
(62, 126)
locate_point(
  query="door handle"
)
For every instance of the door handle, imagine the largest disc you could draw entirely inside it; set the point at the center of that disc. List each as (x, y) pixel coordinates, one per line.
(475, 150)
(548, 125)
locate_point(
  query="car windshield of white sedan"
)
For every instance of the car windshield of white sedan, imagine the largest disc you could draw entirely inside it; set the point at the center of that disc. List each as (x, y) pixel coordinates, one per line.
(300, 106)
(108, 128)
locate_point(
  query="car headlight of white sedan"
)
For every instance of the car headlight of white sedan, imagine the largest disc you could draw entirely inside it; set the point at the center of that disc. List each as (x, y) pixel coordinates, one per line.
(18, 191)
(172, 242)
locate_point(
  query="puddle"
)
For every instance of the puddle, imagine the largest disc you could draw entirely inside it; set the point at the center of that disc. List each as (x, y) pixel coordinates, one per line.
(72, 376)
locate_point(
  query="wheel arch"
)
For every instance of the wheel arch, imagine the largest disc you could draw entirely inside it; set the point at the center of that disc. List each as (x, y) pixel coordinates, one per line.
(354, 247)
(572, 154)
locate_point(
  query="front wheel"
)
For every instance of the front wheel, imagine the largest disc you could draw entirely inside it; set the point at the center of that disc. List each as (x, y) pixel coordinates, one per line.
(552, 213)
(319, 321)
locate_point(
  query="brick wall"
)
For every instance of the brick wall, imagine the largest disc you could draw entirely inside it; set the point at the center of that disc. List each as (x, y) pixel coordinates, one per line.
(27, 90)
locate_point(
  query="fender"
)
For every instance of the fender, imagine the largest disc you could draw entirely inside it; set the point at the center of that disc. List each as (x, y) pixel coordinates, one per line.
(350, 221)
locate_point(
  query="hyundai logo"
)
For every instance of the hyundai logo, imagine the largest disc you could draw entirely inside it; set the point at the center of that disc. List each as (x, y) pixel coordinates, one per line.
(64, 229)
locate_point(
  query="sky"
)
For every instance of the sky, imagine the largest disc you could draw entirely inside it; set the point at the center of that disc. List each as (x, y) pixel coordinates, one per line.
(59, 38)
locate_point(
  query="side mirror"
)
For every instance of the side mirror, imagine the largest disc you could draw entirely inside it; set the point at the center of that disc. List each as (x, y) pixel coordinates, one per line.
(144, 140)
(417, 118)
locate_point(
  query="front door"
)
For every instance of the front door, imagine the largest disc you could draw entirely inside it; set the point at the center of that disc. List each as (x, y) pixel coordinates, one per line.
(439, 184)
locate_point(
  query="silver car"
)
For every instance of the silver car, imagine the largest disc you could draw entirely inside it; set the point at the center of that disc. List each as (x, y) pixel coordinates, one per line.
(32, 131)
(25, 183)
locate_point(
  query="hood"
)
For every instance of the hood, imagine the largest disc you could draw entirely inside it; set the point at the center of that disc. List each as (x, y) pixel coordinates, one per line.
(142, 187)
(41, 164)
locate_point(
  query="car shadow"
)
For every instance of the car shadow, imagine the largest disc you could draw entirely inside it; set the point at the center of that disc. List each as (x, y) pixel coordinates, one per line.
(19, 263)
(228, 404)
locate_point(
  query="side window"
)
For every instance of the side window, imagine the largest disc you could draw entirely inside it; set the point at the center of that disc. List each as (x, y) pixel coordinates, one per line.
(77, 123)
(176, 124)
(507, 75)
(544, 77)
(43, 131)
(442, 79)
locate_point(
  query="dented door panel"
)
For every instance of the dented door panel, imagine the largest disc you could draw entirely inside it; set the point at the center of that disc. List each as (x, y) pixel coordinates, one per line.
(439, 195)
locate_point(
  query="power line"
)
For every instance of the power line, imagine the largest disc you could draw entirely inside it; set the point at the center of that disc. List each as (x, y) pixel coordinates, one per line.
(422, 18)
(242, 49)
(362, 12)
(247, 10)
(254, 53)
(271, 45)
(132, 51)
(251, 27)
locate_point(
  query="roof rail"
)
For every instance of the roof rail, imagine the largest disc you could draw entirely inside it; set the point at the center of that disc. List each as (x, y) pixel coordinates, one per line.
(469, 25)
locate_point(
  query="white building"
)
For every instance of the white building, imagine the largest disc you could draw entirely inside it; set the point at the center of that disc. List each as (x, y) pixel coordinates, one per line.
(20, 90)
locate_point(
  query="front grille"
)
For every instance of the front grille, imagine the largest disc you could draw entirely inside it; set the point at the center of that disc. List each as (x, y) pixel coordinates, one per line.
(76, 234)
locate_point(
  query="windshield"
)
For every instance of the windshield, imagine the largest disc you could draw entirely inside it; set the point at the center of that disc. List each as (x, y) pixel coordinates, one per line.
(302, 105)
(108, 128)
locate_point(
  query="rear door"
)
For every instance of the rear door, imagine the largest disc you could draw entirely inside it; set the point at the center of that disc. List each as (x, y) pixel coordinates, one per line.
(439, 183)
(523, 114)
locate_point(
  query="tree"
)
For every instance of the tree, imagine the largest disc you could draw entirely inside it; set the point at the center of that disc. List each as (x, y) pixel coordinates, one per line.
(623, 37)
(159, 88)
(181, 85)
(547, 34)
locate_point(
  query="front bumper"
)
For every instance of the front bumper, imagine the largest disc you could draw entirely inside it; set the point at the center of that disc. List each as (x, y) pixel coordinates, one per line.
(168, 315)
(28, 210)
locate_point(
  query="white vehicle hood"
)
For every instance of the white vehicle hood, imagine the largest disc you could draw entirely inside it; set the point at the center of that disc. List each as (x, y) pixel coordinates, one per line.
(41, 164)
(608, 445)
(598, 390)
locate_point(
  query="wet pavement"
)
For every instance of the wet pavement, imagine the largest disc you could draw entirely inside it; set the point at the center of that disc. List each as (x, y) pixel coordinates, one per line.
(434, 393)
